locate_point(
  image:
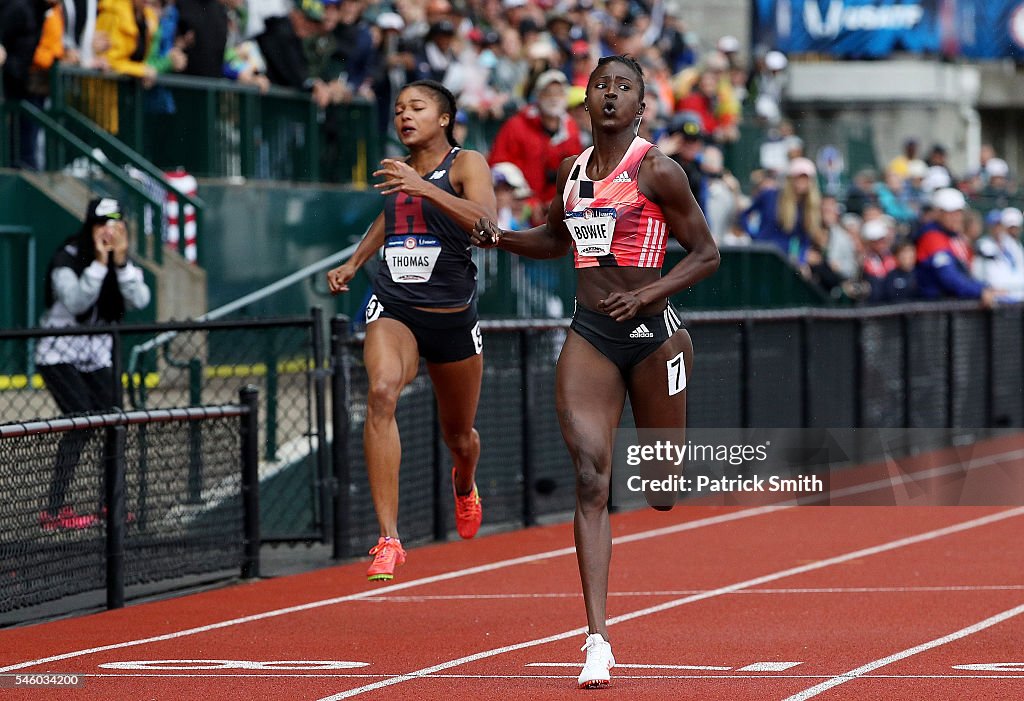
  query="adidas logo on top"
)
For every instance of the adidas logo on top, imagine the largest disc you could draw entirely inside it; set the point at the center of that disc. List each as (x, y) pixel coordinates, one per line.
(642, 331)
(622, 177)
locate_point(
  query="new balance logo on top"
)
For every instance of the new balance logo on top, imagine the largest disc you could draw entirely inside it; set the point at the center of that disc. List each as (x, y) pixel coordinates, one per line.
(437, 175)
(622, 177)
(642, 331)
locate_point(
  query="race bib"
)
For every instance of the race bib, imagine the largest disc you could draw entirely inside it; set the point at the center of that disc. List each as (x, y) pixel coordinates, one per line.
(411, 258)
(592, 230)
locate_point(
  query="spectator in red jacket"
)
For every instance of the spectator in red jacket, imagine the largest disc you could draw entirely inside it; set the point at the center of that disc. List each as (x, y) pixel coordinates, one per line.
(540, 136)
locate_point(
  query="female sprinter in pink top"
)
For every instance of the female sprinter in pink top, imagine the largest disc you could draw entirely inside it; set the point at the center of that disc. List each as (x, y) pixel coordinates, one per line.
(424, 304)
(620, 201)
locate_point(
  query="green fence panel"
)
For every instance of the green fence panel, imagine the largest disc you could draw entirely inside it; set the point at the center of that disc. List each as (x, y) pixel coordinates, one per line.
(18, 285)
(219, 129)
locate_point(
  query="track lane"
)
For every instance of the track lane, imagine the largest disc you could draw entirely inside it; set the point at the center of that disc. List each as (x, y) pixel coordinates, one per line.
(716, 556)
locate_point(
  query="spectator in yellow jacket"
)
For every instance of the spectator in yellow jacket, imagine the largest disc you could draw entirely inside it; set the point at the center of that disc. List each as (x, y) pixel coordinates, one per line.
(124, 31)
(129, 26)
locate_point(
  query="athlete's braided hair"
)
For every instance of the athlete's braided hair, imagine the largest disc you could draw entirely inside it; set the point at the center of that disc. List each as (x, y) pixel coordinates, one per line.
(627, 61)
(445, 100)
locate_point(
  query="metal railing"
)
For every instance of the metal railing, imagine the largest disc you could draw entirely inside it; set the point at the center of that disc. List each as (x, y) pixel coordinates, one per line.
(948, 366)
(148, 530)
(918, 366)
(203, 363)
(143, 208)
(222, 129)
(159, 185)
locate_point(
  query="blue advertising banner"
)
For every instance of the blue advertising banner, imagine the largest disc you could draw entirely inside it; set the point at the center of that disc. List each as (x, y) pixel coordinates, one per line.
(865, 29)
(989, 29)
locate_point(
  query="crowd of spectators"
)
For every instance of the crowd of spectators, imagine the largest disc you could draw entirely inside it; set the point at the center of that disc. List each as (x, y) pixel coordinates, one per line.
(907, 232)
(916, 232)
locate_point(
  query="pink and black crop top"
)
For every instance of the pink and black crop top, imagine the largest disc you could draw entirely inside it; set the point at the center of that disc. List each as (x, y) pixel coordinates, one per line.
(611, 222)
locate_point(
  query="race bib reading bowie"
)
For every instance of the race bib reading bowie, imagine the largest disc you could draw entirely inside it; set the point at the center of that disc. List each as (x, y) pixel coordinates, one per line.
(411, 258)
(592, 230)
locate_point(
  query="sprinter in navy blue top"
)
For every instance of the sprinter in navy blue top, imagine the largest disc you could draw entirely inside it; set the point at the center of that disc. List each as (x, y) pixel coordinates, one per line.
(424, 304)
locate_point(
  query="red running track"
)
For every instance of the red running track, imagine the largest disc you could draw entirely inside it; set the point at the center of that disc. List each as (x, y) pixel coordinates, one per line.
(706, 603)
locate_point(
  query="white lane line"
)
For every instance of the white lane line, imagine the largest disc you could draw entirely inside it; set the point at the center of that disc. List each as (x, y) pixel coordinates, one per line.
(769, 666)
(683, 592)
(691, 667)
(455, 574)
(717, 677)
(756, 581)
(909, 652)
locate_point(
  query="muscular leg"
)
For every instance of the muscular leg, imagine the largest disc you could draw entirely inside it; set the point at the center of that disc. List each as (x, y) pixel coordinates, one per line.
(660, 415)
(589, 397)
(457, 388)
(392, 361)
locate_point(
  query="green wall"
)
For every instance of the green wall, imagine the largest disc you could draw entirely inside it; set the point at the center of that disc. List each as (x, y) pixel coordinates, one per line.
(264, 231)
(257, 233)
(22, 204)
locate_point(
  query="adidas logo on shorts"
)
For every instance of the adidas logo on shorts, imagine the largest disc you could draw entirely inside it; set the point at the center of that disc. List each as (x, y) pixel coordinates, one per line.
(622, 177)
(642, 331)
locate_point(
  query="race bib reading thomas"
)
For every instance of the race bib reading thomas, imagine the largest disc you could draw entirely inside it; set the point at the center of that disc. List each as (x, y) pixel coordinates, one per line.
(592, 230)
(411, 259)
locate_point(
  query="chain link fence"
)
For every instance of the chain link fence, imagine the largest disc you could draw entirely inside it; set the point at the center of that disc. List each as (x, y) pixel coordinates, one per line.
(921, 366)
(175, 365)
(952, 367)
(124, 503)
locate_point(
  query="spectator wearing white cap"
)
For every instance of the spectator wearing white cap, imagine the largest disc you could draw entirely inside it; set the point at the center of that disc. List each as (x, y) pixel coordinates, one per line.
(790, 216)
(936, 178)
(998, 189)
(879, 261)
(770, 83)
(394, 60)
(914, 195)
(943, 256)
(843, 250)
(540, 136)
(999, 261)
(513, 195)
(729, 46)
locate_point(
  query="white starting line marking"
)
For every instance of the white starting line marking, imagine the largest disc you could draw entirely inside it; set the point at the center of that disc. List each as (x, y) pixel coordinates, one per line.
(992, 667)
(369, 593)
(675, 603)
(755, 667)
(355, 675)
(690, 667)
(769, 666)
(904, 654)
(284, 665)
